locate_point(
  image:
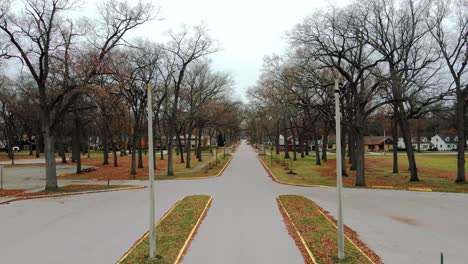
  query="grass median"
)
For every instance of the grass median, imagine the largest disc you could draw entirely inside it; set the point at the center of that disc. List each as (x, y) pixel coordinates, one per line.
(314, 232)
(173, 232)
(436, 172)
(204, 168)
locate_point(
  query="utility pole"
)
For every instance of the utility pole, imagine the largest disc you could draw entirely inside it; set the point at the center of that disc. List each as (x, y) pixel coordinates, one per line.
(341, 254)
(151, 176)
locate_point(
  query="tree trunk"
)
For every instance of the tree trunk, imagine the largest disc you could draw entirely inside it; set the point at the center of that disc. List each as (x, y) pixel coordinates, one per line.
(38, 148)
(277, 141)
(325, 141)
(114, 150)
(105, 145)
(395, 143)
(188, 146)
(140, 152)
(200, 158)
(406, 133)
(179, 145)
(77, 144)
(301, 142)
(294, 144)
(360, 179)
(352, 149)
(133, 157)
(317, 150)
(51, 172)
(461, 137)
(162, 149)
(62, 152)
(170, 168)
(418, 136)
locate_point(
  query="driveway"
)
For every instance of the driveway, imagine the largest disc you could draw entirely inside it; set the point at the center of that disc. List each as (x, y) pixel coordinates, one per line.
(243, 224)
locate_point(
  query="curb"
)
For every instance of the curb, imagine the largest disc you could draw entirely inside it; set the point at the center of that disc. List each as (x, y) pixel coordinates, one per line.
(272, 175)
(72, 193)
(146, 234)
(304, 244)
(187, 241)
(417, 189)
(382, 187)
(203, 177)
(195, 227)
(224, 168)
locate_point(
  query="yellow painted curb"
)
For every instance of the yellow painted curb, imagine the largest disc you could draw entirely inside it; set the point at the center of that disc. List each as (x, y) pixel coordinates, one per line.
(72, 193)
(356, 246)
(189, 238)
(309, 252)
(202, 177)
(419, 189)
(224, 168)
(145, 235)
(382, 187)
(286, 183)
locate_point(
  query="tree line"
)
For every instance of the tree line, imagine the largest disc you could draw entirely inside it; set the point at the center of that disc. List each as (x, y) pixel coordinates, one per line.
(83, 83)
(400, 60)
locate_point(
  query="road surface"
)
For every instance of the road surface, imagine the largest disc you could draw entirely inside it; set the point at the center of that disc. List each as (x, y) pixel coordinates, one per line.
(243, 224)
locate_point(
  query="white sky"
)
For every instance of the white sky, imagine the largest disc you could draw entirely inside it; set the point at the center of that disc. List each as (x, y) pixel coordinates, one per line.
(246, 29)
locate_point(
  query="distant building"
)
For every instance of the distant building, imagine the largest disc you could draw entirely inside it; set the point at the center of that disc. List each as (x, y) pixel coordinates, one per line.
(378, 143)
(371, 143)
(424, 143)
(444, 142)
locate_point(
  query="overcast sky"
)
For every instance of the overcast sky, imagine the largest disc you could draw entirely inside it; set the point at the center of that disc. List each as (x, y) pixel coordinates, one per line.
(246, 29)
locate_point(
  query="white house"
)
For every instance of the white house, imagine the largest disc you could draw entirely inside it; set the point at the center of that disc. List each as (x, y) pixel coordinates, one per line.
(424, 143)
(444, 142)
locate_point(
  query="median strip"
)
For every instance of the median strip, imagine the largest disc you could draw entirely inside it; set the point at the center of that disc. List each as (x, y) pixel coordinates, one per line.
(174, 232)
(275, 179)
(315, 233)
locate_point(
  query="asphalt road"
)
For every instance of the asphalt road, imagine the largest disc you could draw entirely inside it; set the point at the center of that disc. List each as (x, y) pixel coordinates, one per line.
(243, 224)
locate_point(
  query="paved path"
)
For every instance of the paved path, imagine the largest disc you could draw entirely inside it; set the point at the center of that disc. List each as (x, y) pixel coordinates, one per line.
(243, 224)
(33, 177)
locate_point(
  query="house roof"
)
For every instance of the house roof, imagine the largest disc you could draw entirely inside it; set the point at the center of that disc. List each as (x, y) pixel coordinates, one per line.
(377, 140)
(448, 138)
(368, 140)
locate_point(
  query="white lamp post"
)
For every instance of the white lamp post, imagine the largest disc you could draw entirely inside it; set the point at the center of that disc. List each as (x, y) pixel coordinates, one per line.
(339, 184)
(151, 175)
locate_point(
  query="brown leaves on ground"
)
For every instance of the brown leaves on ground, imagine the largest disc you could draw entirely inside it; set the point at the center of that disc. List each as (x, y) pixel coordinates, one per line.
(16, 192)
(292, 232)
(123, 171)
(320, 234)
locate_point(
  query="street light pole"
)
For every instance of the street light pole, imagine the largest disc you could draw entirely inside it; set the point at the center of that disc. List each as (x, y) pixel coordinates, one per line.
(341, 254)
(151, 176)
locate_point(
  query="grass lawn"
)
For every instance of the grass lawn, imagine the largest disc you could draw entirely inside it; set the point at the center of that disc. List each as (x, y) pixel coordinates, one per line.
(319, 233)
(436, 172)
(122, 172)
(172, 233)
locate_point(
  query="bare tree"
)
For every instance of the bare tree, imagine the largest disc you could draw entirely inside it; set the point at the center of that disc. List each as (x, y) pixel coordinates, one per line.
(35, 39)
(448, 24)
(185, 47)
